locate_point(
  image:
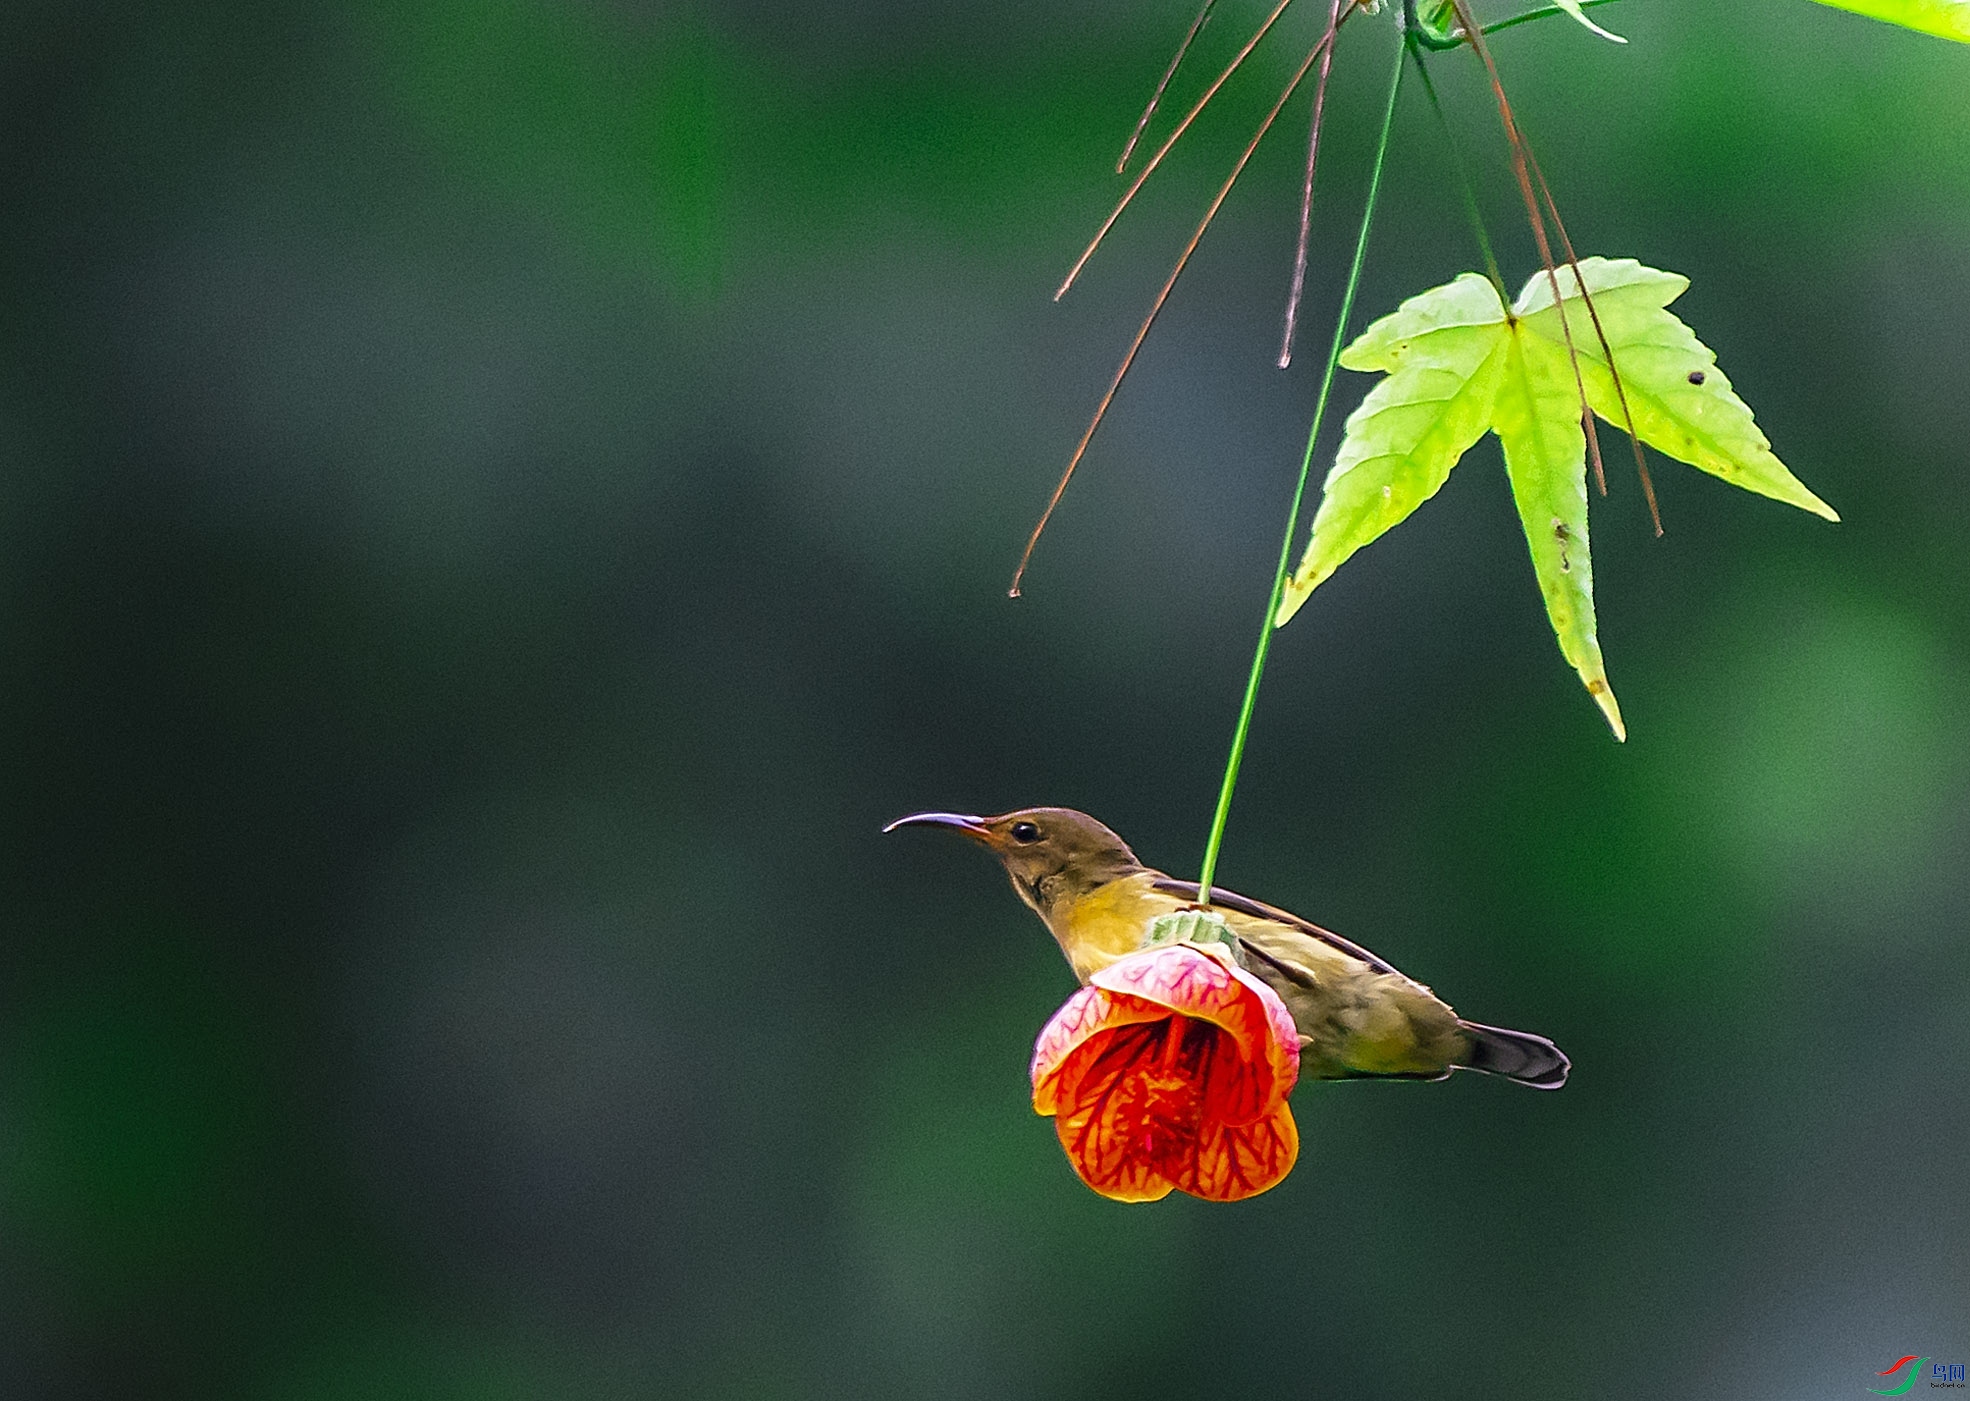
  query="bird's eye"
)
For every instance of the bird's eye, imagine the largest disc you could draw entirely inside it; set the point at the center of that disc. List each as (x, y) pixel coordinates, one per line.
(1025, 832)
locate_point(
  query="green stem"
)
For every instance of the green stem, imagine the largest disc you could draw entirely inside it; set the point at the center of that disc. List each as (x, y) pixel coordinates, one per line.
(1299, 495)
(1464, 185)
(1531, 15)
(1431, 39)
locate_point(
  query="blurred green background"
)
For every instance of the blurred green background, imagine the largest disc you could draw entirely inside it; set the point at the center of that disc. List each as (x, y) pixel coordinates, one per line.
(500, 501)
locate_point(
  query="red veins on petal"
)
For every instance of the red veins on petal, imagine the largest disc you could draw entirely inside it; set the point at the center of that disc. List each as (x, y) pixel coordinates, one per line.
(1171, 1070)
(1184, 978)
(1234, 1163)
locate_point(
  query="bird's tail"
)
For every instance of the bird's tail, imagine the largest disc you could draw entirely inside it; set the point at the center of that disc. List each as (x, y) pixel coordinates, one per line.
(1516, 1055)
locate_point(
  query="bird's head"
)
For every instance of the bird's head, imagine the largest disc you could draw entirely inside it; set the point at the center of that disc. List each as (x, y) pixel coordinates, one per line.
(1050, 853)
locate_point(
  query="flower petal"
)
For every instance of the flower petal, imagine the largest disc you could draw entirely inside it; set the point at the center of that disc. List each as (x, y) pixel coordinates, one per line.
(1235, 1162)
(1186, 979)
(1084, 1015)
(1094, 1069)
(1132, 1108)
(1116, 1176)
(1233, 1091)
(1170, 1070)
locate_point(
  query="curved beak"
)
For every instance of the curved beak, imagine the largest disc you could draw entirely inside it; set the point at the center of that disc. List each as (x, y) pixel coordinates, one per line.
(973, 827)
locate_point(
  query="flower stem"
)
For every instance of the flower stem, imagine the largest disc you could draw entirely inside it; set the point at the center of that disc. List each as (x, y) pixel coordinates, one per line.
(1299, 494)
(1464, 184)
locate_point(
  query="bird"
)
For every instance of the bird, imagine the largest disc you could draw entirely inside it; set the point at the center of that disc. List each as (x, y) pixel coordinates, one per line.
(1357, 1016)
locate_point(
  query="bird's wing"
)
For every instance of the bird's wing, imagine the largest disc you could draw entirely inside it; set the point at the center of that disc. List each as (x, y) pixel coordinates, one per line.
(1233, 901)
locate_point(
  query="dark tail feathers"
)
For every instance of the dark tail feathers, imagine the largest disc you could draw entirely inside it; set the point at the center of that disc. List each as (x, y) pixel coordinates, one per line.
(1516, 1055)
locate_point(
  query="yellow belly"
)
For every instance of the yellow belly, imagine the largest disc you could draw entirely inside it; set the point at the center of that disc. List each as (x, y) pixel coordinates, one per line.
(1109, 922)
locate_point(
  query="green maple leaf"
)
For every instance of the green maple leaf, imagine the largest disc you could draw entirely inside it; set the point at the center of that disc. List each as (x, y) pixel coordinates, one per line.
(1459, 362)
(1947, 19)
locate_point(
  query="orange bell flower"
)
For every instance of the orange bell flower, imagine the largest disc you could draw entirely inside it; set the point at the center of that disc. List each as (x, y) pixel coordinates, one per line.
(1170, 1069)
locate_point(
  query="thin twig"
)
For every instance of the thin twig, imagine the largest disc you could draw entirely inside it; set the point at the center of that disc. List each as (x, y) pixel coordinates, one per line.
(1142, 332)
(1306, 189)
(1156, 97)
(1164, 149)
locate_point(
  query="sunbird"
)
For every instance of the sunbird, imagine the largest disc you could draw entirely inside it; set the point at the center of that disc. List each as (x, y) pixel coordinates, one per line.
(1357, 1016)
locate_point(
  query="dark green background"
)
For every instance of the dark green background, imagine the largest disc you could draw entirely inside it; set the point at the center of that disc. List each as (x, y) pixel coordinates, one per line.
(501, 499)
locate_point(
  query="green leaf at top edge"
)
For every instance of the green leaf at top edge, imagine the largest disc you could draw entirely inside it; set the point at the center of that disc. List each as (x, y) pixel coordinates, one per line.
(1946, 19)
